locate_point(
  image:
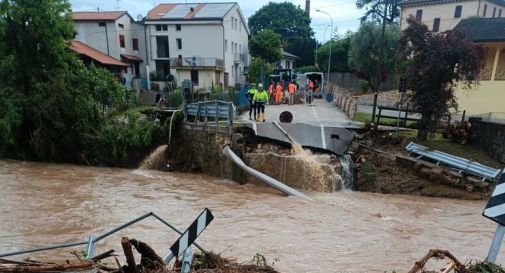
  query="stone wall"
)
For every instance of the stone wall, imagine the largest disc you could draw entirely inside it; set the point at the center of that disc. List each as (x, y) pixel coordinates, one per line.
(199, 148)
(490, 136)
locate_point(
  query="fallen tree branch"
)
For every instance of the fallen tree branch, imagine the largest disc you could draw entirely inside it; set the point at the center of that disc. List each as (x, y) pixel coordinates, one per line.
(438, 253)
(46, 267)
(102, 256)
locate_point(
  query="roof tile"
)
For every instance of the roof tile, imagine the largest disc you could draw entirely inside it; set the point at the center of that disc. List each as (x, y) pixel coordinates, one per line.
(84, 49)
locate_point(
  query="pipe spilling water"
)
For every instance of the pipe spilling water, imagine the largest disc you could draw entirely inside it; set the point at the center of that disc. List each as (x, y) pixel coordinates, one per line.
(155, 159)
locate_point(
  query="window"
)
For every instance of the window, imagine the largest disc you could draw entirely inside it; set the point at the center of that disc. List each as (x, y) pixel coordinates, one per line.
(499, 13)
(120, 26)
(232, 22)
(194, 76)
(419, 14)
(225, 45)
(236, 24)
(135, 43)
(485, 10)
(436, 24)
(494, 12)
(162, 47)
(101, 24)
(161, 27)
(457, 11)
(178, 27)
(240, 26)
(179, 43)
(232, 47)
(121, 41)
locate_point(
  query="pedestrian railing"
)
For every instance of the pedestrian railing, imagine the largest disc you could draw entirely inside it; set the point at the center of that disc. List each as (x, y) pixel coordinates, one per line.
(210, 111)
(462, 164)
(92, 240)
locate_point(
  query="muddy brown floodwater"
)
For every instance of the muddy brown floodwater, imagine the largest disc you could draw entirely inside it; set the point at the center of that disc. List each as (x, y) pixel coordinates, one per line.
(340, 232)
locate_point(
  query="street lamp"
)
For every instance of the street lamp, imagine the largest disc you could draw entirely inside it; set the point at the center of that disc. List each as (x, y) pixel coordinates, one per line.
(329, 56)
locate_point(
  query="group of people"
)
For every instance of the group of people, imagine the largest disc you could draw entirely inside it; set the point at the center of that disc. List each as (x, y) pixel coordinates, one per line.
(277, 94)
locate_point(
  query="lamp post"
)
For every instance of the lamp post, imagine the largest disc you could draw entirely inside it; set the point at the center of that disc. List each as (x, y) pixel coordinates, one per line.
(329, 56)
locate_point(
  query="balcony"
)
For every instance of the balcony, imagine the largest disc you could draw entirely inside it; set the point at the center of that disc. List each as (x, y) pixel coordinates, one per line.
(191, 63)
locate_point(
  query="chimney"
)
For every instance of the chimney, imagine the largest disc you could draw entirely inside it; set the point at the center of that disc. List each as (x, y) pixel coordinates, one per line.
(307, 7)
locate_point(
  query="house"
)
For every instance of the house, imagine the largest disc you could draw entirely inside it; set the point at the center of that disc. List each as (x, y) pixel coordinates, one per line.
(206, 43)
(118, 36)
(287, 60)
(490, 94)
(442, 15)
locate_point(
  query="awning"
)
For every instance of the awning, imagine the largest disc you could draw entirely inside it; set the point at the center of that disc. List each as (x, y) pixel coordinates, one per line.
(86, 50)
(131, 58)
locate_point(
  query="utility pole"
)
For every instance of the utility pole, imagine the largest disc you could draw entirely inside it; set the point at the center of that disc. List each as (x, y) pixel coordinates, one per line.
(379, 64)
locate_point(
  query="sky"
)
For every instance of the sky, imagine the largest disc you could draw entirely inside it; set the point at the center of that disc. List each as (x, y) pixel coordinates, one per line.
(343, 12)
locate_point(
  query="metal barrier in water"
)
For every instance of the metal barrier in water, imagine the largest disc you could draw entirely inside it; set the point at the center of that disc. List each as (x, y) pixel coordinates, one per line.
(202, 112)
(91, 241)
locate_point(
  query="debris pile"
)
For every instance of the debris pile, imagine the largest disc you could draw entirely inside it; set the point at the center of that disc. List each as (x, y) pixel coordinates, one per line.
(454, 265)
(458, 133)
(150, 262)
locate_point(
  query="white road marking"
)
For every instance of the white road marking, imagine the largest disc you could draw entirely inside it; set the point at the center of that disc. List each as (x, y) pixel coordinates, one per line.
(323, 137)
(315, 114)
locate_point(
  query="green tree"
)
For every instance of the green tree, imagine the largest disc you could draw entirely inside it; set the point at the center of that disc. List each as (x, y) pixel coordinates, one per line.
(292, 23)
(434, 63)
(255, 69)
(339, 55)
(364, 53)
(266, 45)
(375, 10)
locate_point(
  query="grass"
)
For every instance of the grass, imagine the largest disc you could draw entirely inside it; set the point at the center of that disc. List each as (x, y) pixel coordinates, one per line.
(367, 117)
(468, 151)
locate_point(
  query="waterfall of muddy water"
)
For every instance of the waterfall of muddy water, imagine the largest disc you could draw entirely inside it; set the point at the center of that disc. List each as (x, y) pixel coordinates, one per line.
(347, 172)
(155, 159)
(43, 204)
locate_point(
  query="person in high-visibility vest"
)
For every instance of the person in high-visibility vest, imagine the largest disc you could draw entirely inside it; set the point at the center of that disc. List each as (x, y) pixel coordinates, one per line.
(261, 99)
(311, 90)
(250, 96)
(278, 93)
(291, 92)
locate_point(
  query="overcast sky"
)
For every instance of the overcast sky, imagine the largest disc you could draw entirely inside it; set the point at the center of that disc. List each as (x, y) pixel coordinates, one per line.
(344, 13)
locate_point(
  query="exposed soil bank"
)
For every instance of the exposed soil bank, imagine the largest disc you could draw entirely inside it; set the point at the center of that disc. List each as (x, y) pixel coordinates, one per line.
(382, 166)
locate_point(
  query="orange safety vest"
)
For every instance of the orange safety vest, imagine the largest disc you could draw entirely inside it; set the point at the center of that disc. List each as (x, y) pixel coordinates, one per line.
(311, 84)
(279, 89)
(291, 88)
(271, 89)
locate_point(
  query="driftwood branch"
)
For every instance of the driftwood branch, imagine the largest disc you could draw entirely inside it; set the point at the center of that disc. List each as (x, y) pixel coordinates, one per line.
(438, 253)
(46, 267)
(102, 256)
(130, 259)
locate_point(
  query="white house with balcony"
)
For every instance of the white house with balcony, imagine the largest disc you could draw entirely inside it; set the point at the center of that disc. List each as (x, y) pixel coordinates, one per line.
(206, 43)
(112, 39)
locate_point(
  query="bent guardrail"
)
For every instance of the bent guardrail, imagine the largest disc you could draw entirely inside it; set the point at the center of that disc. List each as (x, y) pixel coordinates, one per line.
(462, 164)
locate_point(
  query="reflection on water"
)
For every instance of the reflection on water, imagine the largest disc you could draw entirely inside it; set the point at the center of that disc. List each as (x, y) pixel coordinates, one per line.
(340, 232)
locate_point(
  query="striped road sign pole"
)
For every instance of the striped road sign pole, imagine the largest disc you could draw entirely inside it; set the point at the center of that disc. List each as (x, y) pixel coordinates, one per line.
(190, 235)
(495, 210)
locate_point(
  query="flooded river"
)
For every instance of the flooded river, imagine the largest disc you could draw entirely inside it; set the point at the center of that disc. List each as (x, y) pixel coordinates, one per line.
(340, 232)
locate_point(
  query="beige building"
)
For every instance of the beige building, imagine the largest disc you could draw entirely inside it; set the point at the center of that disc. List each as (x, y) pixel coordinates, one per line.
(489, 96)
(442, 15)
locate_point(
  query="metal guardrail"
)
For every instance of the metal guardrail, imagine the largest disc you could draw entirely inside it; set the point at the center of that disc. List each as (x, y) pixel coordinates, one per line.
(462, 164)
(215, 110)
(91, 241)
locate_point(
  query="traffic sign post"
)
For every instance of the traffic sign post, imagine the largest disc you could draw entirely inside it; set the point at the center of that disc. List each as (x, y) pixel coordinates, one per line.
(495, 210)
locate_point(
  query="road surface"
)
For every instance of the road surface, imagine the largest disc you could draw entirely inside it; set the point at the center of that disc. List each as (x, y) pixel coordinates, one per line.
(318, 113)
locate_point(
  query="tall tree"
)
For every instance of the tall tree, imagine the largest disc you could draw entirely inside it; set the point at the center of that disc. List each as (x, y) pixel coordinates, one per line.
(266, 45)
(292, 23)
(435, 62)
(339, 55)
(364, 53)
(375, 10)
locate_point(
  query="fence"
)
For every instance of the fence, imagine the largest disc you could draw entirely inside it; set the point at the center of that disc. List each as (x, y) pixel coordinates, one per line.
(352, 83)
(345, 100)
(203, 112)
(495, 117)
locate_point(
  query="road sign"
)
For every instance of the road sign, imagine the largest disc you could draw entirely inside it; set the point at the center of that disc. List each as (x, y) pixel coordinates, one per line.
(190, 235)
(495, 208)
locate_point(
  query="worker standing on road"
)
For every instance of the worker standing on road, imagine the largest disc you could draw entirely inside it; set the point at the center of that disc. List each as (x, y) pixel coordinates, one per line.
(250, 96)
(261, 98)
(271, 89)
(311, 91)
(278, 93)
(291, 92)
